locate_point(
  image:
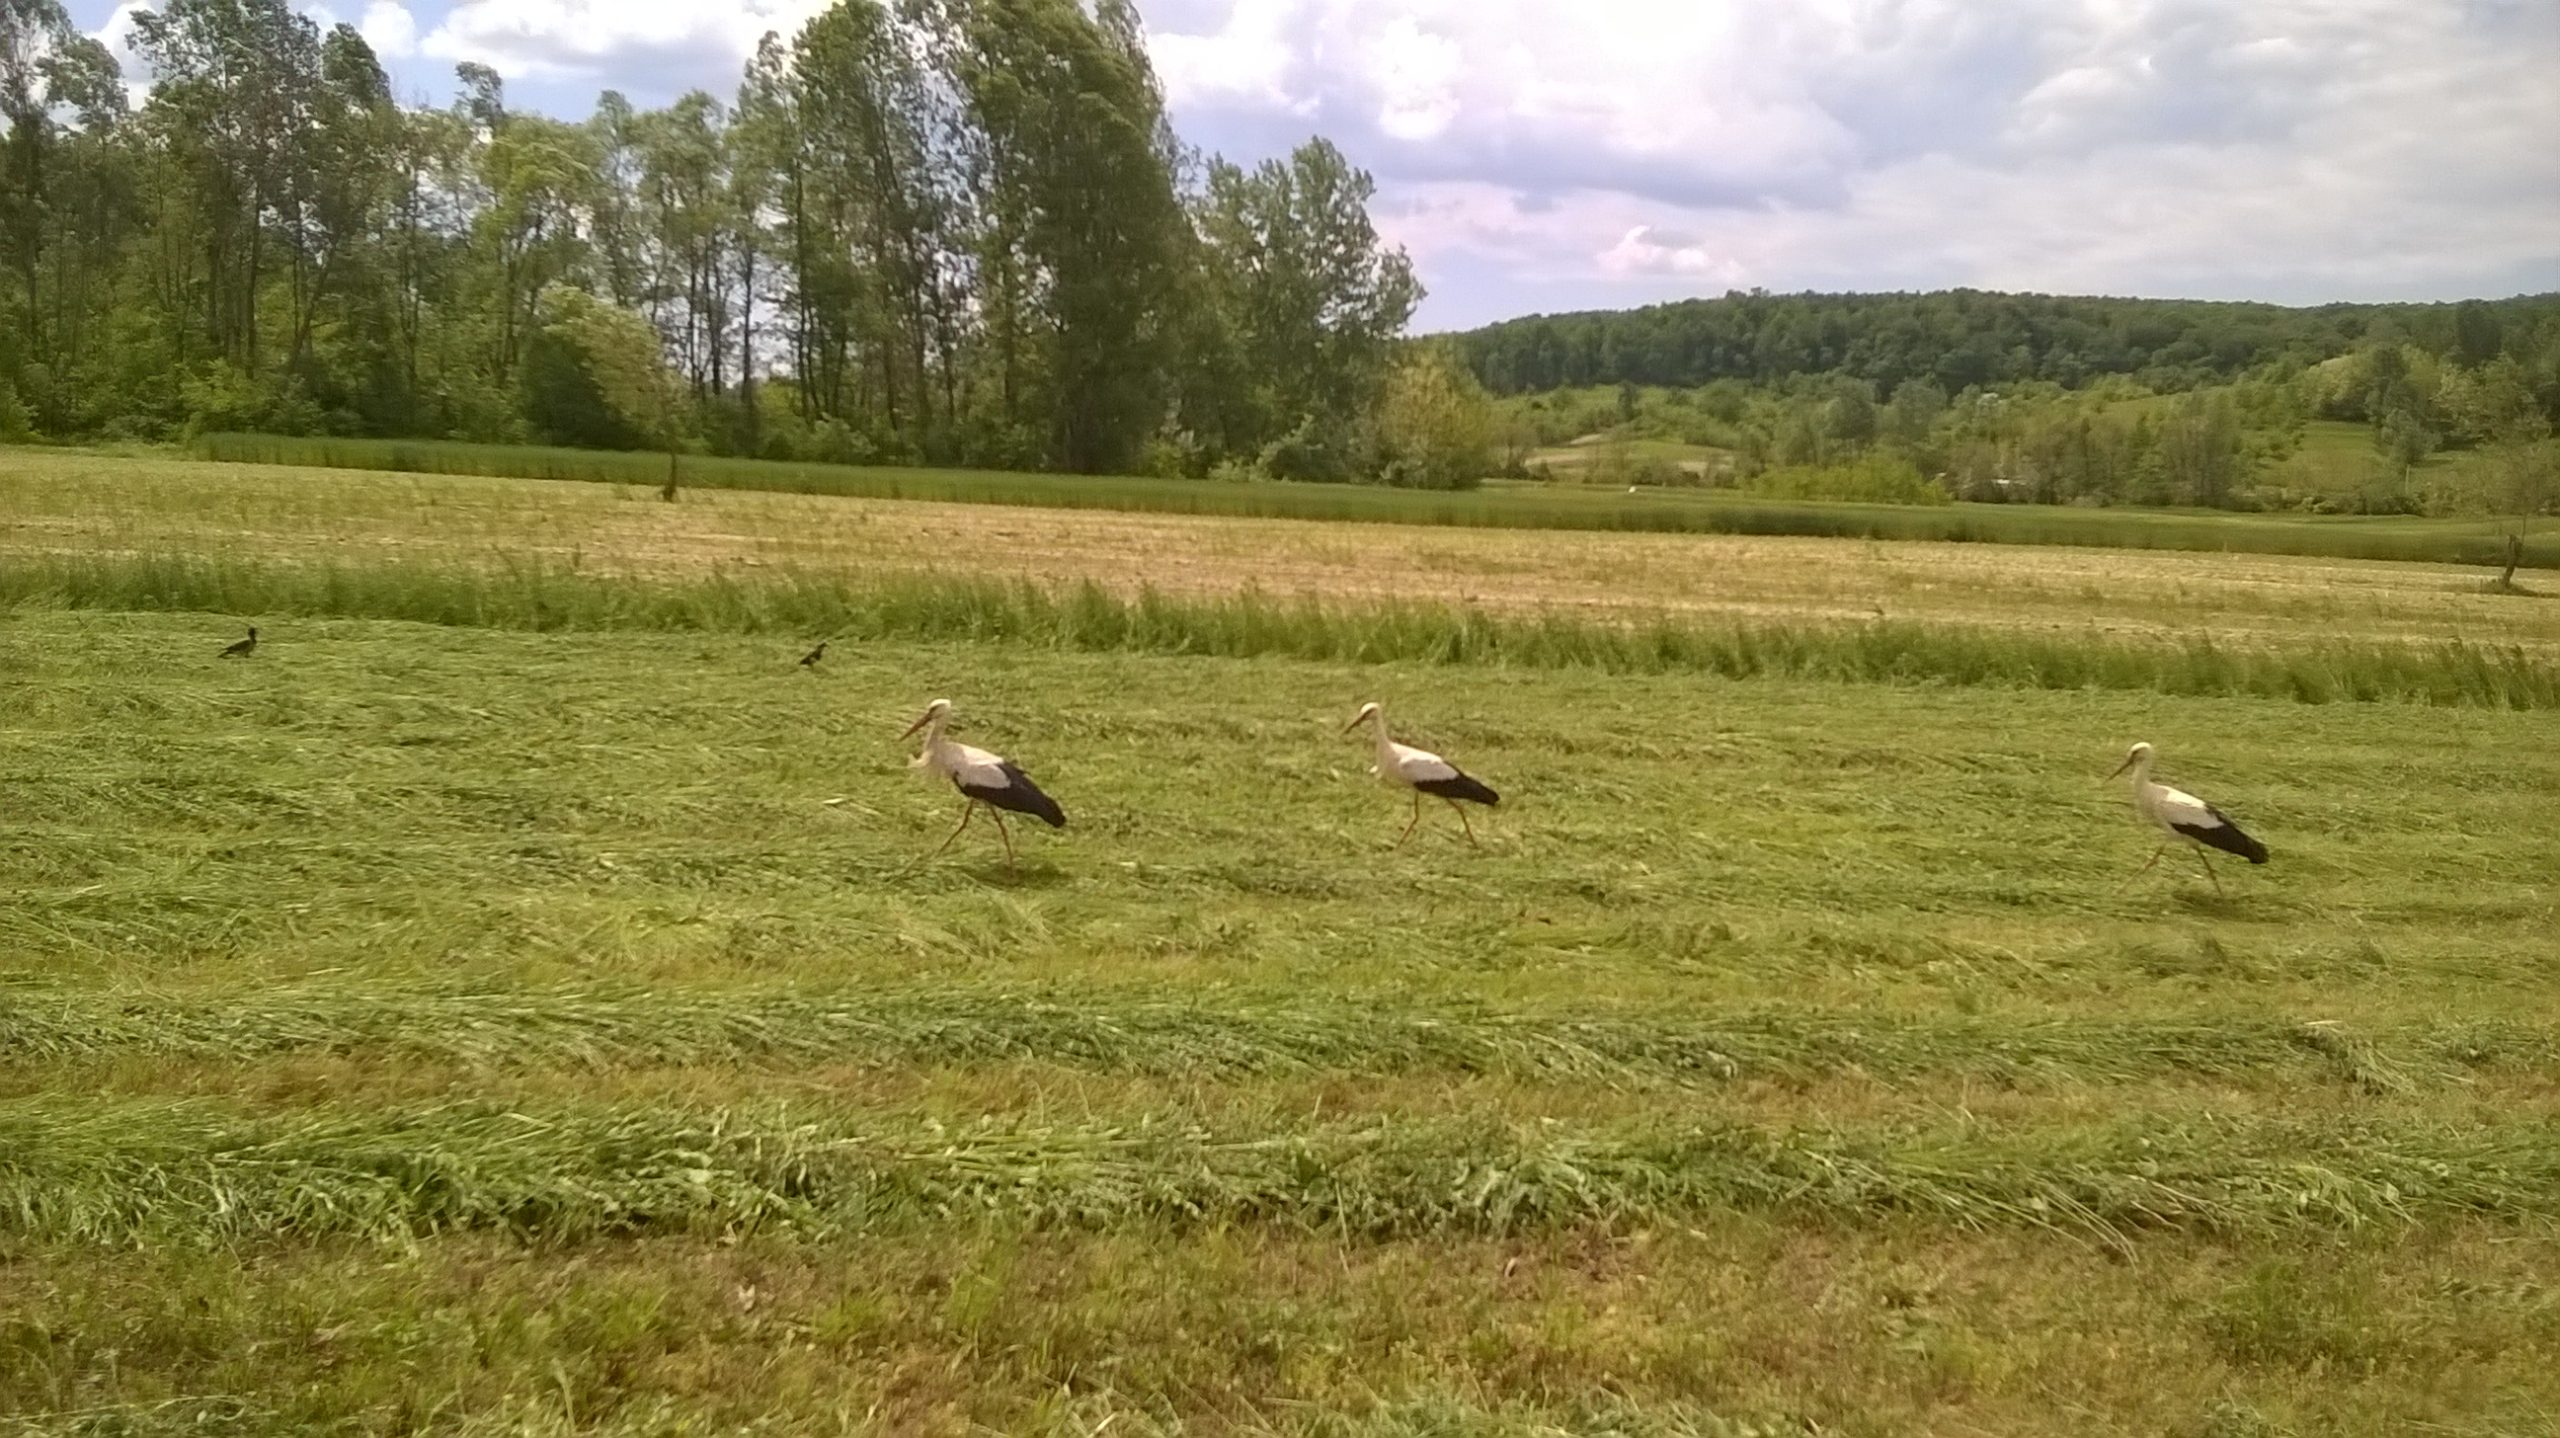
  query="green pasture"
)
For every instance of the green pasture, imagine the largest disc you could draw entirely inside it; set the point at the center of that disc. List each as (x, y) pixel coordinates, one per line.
(516, 1000)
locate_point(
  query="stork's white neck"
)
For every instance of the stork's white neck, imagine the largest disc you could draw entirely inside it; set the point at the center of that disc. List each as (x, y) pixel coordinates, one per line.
(1378, 732)
(933, 740)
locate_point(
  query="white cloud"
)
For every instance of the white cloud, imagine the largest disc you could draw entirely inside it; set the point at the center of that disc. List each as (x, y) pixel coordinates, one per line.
(1629, 151)
(1416, 72)
(1247, 61)
(390, 29)
(661, 44)
(1614, 151)
(1669, 93)
(117, 35)
(1656, 250)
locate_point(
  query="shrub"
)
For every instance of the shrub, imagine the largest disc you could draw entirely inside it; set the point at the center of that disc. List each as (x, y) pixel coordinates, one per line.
(222, 396)
(1311, 450)
(15, 426)
(1877, 478)
(1173, 454)
(1434, 426)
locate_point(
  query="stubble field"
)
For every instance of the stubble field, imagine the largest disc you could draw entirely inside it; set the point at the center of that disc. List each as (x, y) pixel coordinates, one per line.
(542, 1024)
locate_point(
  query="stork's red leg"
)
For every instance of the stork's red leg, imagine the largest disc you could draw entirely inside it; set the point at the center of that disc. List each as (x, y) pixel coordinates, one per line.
(2146, 864)
(1463, 824)
(1417, 818)
(1005, 834)
(965, 811)
(2208, 870)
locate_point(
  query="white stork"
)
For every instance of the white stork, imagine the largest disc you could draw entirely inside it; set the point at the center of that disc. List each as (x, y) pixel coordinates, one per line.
(1421, 771)
(2184, 816)
(981, 778)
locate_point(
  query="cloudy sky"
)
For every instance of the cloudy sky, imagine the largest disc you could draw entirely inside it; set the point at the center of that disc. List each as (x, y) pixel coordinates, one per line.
(1566, 154)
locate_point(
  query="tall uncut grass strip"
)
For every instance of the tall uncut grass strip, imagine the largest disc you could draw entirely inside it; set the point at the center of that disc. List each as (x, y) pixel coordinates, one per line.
(1518, 507)
(1232, 1036)
(1090, 618)
(140, 1172)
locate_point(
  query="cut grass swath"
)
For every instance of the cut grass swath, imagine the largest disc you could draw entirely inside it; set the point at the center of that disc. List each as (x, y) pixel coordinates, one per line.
(139, 1172)
(520, 595)
(1529, 507)
(1229, 1037)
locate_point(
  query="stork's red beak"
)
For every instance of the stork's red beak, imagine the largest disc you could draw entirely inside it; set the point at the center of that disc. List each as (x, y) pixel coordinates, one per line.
(920, 723)
(1355, 723)
(2120, 768)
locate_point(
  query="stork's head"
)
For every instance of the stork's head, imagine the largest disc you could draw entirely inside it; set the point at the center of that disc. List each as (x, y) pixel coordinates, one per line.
(1367, 713)
(2135, 755)
(938, 709)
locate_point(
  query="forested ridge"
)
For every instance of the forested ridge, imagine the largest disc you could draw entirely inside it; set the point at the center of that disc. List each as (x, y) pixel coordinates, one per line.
(1961, 394)
(1958, 339)
(956, 231)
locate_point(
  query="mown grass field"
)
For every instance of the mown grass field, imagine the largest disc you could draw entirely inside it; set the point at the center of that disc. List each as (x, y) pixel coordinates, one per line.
(58, 507)
(534, 1019)
(1539, 506)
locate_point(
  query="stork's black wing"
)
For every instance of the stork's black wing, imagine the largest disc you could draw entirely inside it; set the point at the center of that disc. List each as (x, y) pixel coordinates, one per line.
(1460, 786)
(1018, 794)
(2224, 835)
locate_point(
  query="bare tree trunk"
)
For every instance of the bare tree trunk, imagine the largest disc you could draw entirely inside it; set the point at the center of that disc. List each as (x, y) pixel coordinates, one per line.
(747, 354)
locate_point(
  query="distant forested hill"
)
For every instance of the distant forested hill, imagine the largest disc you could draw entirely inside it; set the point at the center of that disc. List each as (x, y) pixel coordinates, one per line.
(1957, 338)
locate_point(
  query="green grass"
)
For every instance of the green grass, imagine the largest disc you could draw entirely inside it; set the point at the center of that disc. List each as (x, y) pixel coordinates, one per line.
(1067, 1332)
(2337, 458)
(1087, 617)
(1566, 459)
(513, 1001)
(1531, 506)
(1113, 1030)
(57, 507)
(190, 1172)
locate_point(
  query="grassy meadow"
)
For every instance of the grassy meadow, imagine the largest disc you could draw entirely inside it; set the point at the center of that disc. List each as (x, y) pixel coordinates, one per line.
(511, 1002)
(1603, 452)
(2336, 457)
(1526, 505)
(64, 511)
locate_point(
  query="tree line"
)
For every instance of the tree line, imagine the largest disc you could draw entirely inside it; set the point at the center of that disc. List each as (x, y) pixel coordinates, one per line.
(1964, 339)
(944, 231)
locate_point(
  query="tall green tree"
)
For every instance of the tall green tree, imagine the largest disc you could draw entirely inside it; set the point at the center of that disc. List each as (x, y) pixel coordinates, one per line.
(232, 108)
(760, 141)
(597, 374)
(1434, 423)
(535, 178)
(48, 70)
(944, 229)
(1083, 219)
(334, 208)
(1312, 299)
(2200, 451)
(688, 228)
(868, 231)
(2520, 473)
